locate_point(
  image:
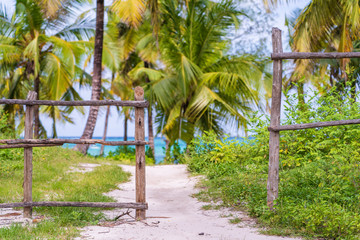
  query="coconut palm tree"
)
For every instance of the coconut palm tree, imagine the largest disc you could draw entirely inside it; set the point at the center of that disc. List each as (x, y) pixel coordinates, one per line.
(199, 86)
(36, 53)
(132, 13)
(325, 25)
(136, 47)
(96, 80)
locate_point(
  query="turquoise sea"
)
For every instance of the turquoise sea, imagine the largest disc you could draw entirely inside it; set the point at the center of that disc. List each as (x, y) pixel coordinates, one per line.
(159, 146)
(95, 149)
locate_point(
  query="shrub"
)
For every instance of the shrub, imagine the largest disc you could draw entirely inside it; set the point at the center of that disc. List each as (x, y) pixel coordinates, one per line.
(127, 155)
(319, 189)
(10, 159)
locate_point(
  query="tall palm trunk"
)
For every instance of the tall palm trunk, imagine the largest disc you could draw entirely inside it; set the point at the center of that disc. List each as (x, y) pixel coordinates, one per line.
(54, 132)
(106, 119)
(125, 129)
(96, 80)
(151, 131)
(150, 122)
(36, 108)
(105, 129)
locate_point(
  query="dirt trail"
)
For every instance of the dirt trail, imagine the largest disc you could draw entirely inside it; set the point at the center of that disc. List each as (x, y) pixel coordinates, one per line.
(173, 213)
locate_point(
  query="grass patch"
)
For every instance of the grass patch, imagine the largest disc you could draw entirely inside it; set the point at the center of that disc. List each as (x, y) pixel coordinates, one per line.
(235, 220)
(52, 181)
(44, 230)
(207, 207)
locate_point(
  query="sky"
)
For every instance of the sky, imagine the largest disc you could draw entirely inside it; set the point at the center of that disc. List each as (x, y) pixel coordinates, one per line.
(116, 122)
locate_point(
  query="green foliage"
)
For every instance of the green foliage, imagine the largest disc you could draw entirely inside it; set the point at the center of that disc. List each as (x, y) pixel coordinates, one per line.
(319, 169)
(174, 154)
(199, 85)
(127, 155)
(10, 159)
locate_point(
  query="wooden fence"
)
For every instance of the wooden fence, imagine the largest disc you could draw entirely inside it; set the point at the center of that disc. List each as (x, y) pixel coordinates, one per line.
(28, 143)
(274, 143)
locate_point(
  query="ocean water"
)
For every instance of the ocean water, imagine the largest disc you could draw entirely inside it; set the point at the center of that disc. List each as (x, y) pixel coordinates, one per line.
(95, 149)
(158, 142)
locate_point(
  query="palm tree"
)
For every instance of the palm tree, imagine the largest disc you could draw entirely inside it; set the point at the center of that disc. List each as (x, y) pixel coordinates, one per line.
(35, 54)
(199, 86)
(136, 48)
(325, 25)
(96, 80)
(133, 12)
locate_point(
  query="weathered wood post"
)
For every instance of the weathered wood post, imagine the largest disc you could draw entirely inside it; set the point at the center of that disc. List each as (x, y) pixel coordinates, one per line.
(140, 153)
(274, 142)
(29, 132)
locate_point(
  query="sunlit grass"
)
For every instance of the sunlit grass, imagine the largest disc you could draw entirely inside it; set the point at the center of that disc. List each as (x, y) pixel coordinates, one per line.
(52, 181)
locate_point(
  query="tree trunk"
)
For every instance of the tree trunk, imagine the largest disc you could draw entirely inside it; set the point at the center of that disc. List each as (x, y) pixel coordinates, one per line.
(151, 131)
(167, 148)
(105, 129)
(96, 81)
(36, 108)
(150, 122)
(125, 128)
(54, 133)
(125, 131)
(107, 118)
(301, 95)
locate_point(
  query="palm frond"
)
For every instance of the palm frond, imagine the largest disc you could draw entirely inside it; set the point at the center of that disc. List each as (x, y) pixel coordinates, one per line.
(130, 11)
(58, 77)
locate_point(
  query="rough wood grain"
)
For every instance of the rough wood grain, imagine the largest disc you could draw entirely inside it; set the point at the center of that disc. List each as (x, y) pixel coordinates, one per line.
(143, 104)
(314, 55)
(74, 141)
(29, 132)
(314, 125)
(27, 145)
(140, 154)
(274, 142)
(76, 204)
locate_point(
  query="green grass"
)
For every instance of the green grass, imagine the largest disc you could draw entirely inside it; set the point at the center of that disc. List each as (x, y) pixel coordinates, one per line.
(235, 220)
(52, 181)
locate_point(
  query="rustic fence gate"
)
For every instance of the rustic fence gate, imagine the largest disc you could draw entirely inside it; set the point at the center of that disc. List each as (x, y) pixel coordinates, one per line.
(28, 143)
(274, 143)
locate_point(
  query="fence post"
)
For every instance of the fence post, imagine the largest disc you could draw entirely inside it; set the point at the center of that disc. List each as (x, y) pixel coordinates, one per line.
(274, 141)
(140, 153)
(29, 132)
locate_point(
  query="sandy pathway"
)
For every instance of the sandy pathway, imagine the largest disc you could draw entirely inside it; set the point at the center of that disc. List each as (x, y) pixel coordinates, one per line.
(173, 213)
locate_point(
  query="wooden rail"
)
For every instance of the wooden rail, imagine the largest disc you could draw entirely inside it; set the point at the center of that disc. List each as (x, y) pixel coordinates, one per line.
(28, 143)
(314, 55)
(29, 102)
(314, 125)
(275, 127)
(143, 206)
(74, 141)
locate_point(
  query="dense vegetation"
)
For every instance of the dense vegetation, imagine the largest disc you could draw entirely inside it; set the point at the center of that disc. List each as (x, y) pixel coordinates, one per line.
(127, 155)
(319, 170)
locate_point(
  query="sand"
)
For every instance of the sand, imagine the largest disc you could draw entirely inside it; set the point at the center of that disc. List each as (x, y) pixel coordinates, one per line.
(173, 212)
